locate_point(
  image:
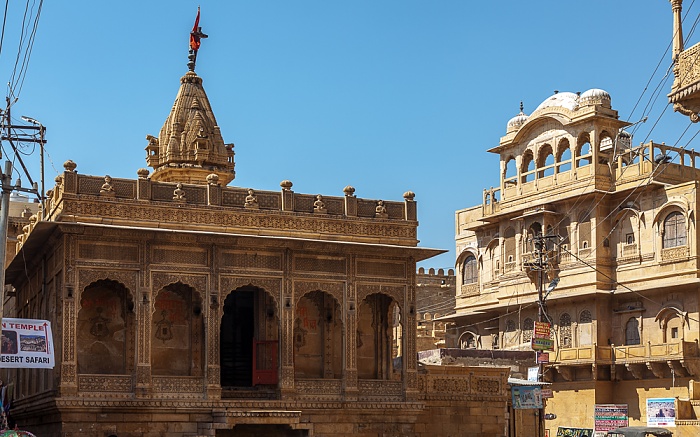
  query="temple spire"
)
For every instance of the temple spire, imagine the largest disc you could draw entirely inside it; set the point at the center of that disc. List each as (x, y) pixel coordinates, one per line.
(195, 36)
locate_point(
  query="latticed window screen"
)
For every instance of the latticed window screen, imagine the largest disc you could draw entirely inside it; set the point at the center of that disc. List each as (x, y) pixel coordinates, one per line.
(469, 270)
(528, 326)
(585, 317)
(674, 230)
(565, 330)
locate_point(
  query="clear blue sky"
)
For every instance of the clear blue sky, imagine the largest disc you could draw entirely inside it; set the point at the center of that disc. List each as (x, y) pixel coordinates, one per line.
(387, 96)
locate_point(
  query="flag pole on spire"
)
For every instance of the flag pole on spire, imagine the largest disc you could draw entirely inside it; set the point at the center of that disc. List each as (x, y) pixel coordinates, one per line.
(195, 40)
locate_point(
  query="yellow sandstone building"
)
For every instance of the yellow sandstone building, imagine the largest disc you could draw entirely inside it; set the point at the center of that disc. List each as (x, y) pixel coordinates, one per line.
(625, 315)
(181, 306)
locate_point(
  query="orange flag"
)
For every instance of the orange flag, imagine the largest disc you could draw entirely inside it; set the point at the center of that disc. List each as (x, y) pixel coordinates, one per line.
(195, 34)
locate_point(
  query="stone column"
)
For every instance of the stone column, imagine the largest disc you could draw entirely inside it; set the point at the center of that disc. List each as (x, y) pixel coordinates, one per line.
(287, 331)
(350, 387)
(144, 313)
(213, 343)
(69, 369)
(409, 335)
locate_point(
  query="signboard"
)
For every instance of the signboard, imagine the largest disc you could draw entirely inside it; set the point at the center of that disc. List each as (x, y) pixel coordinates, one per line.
(661, 412)
(547, 393)
(574, 432)
(542, 357)
(526, 397)
(542, 344)
(607, 417)
(541, 330)
(26, 343)
(532, 373)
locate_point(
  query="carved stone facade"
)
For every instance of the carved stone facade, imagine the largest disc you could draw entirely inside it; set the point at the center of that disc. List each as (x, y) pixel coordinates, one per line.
(625, 311)
(184, 307)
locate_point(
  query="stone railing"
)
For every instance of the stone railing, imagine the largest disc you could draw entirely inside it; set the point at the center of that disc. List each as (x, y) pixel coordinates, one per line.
(584, 354)
(191, 387)
(675, 253)
(468, 290)
(447, 382)
(319, 389)
(655, 352)
(688, 68)
(105, 383)
(379, 389)
(234, 197)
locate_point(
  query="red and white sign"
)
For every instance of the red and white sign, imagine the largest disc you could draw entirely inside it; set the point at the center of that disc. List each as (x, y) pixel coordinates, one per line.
(26, 343)
(541, 330)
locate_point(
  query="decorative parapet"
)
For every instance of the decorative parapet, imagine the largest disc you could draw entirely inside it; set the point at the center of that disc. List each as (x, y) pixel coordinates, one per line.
(675, 253)
(468, 290)
(144, 202)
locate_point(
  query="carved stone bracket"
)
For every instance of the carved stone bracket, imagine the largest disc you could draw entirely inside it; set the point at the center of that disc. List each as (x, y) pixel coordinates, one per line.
(677, 368)
(636, 369)
(656, 368)
(566, 372)
(691, 366)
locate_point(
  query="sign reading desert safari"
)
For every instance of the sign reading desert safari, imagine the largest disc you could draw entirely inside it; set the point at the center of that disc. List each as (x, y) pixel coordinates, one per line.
(26, 343)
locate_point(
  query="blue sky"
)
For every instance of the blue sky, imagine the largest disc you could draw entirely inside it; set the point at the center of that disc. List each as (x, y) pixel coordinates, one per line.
(386, 96)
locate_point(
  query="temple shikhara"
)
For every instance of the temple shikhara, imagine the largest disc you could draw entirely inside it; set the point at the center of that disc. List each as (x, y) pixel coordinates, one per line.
(183, 306)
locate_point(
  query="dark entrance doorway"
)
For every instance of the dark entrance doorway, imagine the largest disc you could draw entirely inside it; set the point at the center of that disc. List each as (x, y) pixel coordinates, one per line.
(237, 331)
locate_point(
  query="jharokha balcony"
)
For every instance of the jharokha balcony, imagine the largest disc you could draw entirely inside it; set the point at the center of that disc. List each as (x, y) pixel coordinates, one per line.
(680, 358)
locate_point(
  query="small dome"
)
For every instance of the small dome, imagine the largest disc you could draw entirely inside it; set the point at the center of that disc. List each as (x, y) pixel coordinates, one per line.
(564, 100)
(517, 121)
(595, 96)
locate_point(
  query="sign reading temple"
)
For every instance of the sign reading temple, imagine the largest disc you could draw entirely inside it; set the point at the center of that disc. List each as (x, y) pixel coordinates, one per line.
(26, 343)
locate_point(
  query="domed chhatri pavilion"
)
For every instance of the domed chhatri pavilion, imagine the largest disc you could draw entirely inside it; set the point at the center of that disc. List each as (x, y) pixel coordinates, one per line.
(618, 271)
(182, 306)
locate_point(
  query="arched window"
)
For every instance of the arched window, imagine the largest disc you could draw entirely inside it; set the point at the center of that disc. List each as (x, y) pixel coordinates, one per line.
(565, 330)
(584, 155)
(511, 172)
(510, 325)
(632, 332)
(564, 156)
(674, 230)
(545, 161)
(585, 317)
(528, 326)
(469, 270)
(528, 167)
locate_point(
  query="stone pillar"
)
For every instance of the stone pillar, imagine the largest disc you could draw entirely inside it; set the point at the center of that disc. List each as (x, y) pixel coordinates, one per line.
(143, 342)
(213, 347)
(287, 196)
(350, 385)
(143, 185)
(410, 206)
(350, 201)
(287, 331)
(410, 364)
(69, 369)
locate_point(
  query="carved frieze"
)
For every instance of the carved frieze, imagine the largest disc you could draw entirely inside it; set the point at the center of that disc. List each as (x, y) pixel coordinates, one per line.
(105, 383)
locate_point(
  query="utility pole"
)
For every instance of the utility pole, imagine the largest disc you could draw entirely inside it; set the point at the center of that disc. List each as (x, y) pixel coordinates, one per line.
(543, 245)
(16, 133)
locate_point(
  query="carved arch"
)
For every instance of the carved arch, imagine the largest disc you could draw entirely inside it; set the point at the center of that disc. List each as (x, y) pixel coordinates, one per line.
(128, 279)
(160, 280)
(335, 289)
(271, 286)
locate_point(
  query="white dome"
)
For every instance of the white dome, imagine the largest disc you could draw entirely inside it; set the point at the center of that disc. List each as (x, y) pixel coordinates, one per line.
(563, 100)
(517, 121)
(595, 96)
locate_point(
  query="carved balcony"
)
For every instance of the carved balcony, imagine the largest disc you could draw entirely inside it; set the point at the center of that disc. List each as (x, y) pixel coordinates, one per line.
(585, 355)
(685, 93)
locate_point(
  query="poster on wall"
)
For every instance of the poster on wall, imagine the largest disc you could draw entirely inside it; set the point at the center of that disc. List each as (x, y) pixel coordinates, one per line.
(661, 412)
(26, 343)
(526, 397)
(607, 417)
